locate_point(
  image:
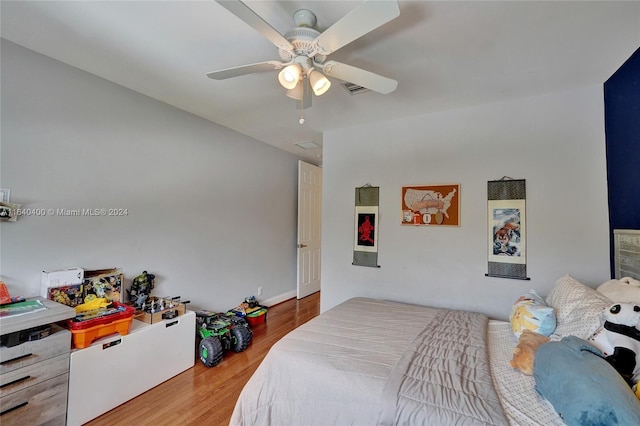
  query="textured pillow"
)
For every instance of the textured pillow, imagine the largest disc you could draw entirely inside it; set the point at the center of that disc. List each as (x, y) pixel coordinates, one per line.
(582, 387)
(579, 309)
(530, 312)
(625, 290)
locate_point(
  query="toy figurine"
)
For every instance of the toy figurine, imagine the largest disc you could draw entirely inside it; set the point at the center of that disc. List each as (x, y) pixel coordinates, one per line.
(140, 301)
(141, 286)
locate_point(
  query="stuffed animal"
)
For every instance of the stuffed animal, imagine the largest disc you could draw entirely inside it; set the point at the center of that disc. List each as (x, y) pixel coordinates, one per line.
(619, 339)
(524, 352)
(626, 290)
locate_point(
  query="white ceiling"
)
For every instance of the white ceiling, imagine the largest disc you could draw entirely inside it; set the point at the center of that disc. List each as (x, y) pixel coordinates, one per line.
(444, 55)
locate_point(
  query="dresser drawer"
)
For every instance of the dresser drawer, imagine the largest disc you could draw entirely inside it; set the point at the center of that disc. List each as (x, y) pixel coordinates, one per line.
(42, 403)
(27, 353)
(30, 375)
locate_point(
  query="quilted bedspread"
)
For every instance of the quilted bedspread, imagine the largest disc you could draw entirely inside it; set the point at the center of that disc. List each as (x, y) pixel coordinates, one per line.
(368, 362)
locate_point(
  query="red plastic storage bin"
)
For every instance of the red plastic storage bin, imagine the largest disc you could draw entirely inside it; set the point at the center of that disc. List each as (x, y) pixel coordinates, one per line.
(86, 332)
(257, 317)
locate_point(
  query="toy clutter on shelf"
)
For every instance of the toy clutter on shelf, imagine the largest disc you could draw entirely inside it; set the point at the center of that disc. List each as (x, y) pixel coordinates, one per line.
(74, 286)
(96, 296)
(156, 309)
(151, 309)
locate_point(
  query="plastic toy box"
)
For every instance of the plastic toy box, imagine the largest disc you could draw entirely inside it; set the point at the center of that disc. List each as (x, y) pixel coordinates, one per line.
(257, 317)
(86, 332)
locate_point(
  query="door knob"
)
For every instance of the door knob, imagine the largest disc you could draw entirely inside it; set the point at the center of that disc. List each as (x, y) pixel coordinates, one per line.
(302, 245)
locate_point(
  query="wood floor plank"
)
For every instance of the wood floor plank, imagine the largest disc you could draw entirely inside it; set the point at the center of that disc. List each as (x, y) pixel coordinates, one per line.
(206, 396)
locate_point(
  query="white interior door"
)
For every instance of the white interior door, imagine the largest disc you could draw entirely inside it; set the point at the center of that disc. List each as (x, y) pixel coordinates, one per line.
(309, 228)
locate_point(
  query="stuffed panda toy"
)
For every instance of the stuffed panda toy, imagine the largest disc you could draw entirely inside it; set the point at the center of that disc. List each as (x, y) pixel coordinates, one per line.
(619, 339)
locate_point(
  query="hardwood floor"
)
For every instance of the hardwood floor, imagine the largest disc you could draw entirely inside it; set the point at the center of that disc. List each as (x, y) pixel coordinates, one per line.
(206, 396)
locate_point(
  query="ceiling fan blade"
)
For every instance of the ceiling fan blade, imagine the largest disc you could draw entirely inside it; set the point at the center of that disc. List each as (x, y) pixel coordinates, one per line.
(243, 12)
(361, 20)
(245, 69)
(361, 77)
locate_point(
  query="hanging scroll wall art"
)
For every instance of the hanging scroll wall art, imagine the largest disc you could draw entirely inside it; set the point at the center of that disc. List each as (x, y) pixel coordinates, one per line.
(507, 255)
(433, 205)
(365, 247)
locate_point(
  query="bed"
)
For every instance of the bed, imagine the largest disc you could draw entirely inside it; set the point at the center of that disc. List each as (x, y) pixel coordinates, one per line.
(380, 362)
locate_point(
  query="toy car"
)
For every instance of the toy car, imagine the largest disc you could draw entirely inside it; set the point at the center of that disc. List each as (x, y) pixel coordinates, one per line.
(218, 333)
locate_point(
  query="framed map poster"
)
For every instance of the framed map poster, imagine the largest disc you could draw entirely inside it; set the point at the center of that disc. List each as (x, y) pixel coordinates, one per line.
(432, 205)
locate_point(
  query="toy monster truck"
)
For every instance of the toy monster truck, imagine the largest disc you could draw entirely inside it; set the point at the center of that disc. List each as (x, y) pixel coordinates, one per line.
(219, 332)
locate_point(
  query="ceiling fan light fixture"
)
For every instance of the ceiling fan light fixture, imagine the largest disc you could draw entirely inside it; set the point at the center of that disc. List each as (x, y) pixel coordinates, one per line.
(297, 92)
(289, 76)
(319, 83)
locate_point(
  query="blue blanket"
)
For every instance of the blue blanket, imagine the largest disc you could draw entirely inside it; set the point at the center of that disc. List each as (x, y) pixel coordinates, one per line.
(582, 386)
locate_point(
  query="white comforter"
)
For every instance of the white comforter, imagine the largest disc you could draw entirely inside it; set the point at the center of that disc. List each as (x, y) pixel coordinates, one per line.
(368, 362)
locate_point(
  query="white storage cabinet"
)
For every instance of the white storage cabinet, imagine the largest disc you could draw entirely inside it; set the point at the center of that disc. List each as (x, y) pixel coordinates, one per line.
(115, 369)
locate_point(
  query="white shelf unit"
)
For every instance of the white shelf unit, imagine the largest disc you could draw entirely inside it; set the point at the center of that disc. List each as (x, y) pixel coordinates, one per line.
(115, 369)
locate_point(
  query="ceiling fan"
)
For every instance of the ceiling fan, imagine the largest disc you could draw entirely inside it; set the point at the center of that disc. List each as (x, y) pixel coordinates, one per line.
(304, 50)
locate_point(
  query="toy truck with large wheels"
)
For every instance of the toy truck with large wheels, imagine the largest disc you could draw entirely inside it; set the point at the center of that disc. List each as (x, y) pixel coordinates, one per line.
(218, 333)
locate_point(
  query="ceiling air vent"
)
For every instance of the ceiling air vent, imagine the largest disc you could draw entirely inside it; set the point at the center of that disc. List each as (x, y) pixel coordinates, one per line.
(354, 89)
(308, 145)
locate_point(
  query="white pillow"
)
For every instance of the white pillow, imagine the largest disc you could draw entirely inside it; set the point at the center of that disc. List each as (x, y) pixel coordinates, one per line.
(579, 309)
(626, 290)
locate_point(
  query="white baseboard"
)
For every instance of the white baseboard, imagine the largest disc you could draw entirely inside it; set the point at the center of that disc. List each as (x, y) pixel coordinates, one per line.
(279, 299)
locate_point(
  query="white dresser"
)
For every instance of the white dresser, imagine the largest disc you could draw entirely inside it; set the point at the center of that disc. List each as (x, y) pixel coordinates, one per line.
(115, 369)
(34, 374)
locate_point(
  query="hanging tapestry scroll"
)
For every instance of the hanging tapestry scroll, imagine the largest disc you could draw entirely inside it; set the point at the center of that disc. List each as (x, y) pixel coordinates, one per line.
(506, 229)
(365, 247)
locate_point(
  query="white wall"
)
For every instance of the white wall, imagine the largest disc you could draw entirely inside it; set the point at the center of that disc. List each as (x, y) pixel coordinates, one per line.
(556, 142)
(211, 212)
